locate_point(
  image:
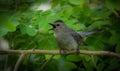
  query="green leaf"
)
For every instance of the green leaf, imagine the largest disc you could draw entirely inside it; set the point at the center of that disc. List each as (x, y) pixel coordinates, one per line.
(8, 23)
(67, 12)
(96, 25)
(43, 24)
(114, 39)
(34, 59)
(3, 31)
(113, 4)
(10, 26)
(74, 58)
(114, 64)
(70, 65)
(31, 30)
(88, 65)
(55, 3)
(22, 29)
(52, 65)
(98, 14)
(76, 2)
(87, 58)
(15, 18)
(101, 66)
(71, 24)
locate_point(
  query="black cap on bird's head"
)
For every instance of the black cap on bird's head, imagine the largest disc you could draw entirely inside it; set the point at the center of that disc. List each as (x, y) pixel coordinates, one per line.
(56, 24)
(58, 21)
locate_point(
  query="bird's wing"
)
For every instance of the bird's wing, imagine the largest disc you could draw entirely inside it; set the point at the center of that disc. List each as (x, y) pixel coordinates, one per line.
(77, 37)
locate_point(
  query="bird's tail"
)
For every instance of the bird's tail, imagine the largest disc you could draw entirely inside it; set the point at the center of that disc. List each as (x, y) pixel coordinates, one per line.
(84, 34)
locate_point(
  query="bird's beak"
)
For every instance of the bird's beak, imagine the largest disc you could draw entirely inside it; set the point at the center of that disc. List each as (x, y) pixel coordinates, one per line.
(52, 26)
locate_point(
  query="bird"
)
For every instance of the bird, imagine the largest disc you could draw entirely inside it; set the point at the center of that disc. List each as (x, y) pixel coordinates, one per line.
(67, 38)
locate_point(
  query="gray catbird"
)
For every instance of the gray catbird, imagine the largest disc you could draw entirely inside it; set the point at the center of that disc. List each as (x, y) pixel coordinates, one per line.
(67, 38)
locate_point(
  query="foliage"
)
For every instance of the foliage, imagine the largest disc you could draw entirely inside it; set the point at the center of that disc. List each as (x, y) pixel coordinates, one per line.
(26, 28)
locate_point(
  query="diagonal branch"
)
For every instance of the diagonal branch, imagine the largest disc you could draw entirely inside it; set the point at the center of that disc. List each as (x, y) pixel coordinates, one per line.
(19, 61)
(92, 57)
(46, 62)
(56, 52)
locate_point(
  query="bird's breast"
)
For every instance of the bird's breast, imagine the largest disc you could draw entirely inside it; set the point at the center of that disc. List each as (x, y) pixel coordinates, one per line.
(66, 41)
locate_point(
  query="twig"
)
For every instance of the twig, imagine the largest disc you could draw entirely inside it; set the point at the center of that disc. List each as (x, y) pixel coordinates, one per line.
(92, 57)
(19, 61)
(46, 63)
(56, 52)
(6, 62)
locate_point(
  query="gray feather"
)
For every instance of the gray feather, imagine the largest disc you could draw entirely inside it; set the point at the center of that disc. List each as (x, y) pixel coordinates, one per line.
(77, 37)
(84, 34)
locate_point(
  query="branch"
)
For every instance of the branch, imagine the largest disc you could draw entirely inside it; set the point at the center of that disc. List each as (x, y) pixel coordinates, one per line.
(6, 62)
(56, 52)
(19, 61)
(46, 62)
(92, 57)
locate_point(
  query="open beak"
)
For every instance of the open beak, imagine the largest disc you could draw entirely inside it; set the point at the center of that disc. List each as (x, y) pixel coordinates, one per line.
(53, 26)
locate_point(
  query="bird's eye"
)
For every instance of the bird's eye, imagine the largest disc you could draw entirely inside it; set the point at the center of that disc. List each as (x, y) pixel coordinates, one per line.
(58, 24)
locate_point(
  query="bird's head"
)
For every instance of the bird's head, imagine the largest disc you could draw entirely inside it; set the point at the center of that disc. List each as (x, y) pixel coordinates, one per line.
(58, 26)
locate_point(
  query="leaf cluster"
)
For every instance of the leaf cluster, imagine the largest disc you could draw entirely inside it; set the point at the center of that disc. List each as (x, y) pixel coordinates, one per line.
(25, 28)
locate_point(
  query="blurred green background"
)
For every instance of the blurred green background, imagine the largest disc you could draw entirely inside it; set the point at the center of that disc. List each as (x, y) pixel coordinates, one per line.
(24, 24)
